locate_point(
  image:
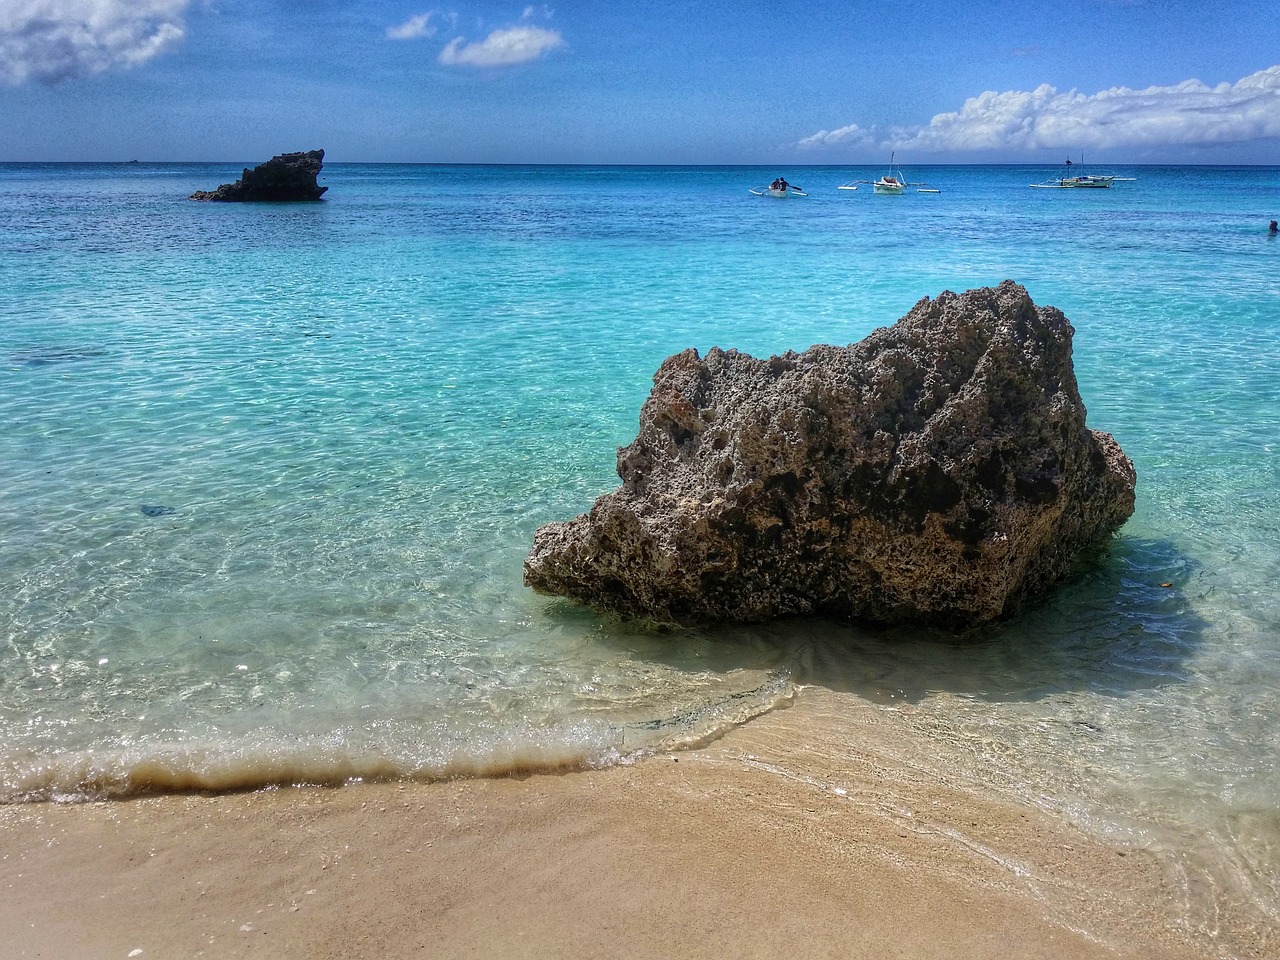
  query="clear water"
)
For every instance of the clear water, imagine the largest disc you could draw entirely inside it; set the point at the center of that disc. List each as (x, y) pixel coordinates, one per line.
(268, 475)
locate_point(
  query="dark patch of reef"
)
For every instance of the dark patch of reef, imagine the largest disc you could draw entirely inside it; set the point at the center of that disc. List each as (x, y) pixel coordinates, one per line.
(284, 178)
(938, 472)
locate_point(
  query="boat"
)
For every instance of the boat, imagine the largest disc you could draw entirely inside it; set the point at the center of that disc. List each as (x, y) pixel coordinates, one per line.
(779, 189)
(1085, 181)
(889, 186)
(892, 184)
(1080, 181)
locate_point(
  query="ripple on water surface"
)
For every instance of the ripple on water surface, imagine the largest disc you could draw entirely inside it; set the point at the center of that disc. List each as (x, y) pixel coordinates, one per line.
(270, 475)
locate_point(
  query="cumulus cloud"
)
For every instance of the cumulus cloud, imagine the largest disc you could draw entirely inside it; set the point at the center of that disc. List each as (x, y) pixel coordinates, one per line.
(56, 40)
(502, 48)
(1188, 113)
(415, 27)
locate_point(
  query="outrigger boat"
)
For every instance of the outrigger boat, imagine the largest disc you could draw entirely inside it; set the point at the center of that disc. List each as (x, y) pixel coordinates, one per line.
(892, 184)
(779, 189)
(1081, 181)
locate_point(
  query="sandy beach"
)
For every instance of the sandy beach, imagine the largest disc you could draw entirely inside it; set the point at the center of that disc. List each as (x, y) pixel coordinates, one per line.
(807, 832)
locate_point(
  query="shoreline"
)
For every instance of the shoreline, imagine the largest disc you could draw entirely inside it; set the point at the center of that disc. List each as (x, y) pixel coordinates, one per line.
(762, 842)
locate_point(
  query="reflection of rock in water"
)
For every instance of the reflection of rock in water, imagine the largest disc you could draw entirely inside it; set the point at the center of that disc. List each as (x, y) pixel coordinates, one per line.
(940, 471)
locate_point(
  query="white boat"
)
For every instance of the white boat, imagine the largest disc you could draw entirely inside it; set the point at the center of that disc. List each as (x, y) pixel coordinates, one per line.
(892, 184)
(1086, 182)
(889, 185)
(1080, 181)
(779, 189)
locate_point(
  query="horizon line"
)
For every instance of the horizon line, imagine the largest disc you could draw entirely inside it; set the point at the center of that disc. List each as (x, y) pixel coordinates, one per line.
(520, 163)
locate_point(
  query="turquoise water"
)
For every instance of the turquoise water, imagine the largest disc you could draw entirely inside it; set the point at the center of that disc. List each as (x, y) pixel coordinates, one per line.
(268, 475)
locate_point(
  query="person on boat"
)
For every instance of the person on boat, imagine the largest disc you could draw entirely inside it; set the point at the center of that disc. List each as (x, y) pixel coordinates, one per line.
(777, 184)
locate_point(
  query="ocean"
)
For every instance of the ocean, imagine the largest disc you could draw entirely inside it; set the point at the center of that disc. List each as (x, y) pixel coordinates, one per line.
(268, 475)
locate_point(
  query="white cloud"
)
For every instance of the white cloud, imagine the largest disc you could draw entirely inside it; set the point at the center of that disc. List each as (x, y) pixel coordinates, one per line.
(1188, 113)
(852, 134)
(502, 48)
(413, 28)
(55, 40)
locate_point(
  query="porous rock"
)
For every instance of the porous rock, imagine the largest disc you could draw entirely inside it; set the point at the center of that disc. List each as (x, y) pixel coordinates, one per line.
(286, 177)
(938, 472)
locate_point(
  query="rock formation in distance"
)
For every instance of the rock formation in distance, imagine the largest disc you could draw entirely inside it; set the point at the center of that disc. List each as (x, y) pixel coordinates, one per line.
(287, 177)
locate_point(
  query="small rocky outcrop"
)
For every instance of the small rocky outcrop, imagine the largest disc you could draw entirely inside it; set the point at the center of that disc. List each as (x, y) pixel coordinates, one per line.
(287, 177)
(938, 472)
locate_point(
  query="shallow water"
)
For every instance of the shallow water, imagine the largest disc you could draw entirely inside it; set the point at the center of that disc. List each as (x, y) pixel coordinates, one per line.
(269, 475)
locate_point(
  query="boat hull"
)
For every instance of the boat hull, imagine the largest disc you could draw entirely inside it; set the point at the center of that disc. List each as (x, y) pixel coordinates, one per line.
(887, 189)
(1081, 181)
(1065, 185)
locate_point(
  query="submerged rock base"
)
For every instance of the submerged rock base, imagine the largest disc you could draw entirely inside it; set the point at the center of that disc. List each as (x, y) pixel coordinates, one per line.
(940, 472)
(287, 177)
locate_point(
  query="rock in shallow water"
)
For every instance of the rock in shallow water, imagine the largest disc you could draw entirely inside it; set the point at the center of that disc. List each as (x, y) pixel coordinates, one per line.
(286, 177)
(940, 472)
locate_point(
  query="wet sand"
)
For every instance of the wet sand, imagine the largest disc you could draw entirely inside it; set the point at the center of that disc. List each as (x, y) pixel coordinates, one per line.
(804, 833)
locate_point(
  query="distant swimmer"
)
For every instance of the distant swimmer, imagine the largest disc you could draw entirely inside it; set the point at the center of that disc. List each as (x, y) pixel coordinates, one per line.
(1273, 229)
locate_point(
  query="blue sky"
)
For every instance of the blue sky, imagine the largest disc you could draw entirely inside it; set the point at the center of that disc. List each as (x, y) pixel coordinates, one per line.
(614, 81)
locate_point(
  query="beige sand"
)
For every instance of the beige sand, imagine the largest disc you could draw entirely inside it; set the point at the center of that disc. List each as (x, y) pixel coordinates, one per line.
(766, 843)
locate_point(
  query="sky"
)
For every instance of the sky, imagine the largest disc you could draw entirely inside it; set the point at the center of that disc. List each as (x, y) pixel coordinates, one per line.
(618, 81)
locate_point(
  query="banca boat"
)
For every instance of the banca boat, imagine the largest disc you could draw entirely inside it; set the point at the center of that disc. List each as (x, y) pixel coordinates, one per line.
(892, 184)
(1081, 181)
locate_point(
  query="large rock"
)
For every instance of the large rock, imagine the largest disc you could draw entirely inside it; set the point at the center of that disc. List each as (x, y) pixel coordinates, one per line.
(289, 176)
(938, 472)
